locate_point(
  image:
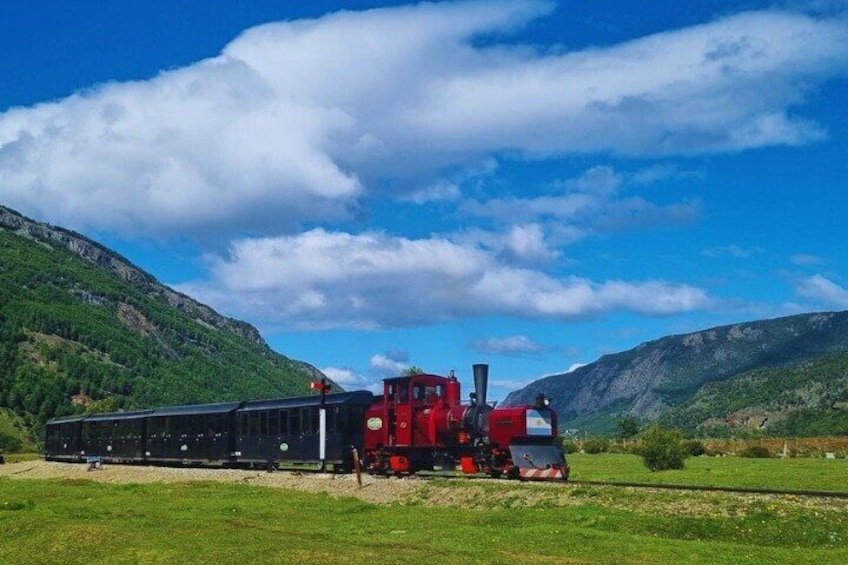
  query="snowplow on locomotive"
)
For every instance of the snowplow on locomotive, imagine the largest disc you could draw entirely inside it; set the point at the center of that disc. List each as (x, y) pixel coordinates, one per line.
(418, 424)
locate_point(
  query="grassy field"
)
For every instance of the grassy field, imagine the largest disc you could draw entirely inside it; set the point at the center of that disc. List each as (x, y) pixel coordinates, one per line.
(82, 521)
(16, 457)
(783, 474)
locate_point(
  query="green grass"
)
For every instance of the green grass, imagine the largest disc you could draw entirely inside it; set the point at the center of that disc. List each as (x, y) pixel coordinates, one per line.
(18, 457)
(71, 522)
(789, 474)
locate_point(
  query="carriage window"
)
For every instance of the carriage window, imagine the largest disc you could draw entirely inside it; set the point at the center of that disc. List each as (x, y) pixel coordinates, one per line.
(273, 423)
(179, 425)
(263, 423)
(284, 422)
(212, 425)
(244, 428)
(254, 423)
(309, 424)
(334, 420)
(294, 422)
(189, 425)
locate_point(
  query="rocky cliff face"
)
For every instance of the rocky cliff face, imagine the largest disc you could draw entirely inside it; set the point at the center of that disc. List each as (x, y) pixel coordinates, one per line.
(660, 374)
(96, 254)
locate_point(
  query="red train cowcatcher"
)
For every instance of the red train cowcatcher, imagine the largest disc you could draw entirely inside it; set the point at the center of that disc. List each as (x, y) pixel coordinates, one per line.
(420, 424)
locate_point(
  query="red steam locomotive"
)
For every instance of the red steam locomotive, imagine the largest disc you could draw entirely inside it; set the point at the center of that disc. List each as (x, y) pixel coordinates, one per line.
(420, 424)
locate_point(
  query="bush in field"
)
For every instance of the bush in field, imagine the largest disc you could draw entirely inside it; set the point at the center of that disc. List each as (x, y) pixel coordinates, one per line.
(627, 428)
(12, 436)
(756, 451)
(570, 446)
(663, 449)
(695, 447)
(596, 445)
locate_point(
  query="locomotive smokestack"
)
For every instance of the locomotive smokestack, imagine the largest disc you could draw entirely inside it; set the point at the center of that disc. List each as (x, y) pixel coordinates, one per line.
(481, 381)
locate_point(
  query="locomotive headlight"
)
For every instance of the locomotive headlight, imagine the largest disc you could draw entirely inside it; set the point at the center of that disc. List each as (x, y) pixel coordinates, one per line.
(543, 401)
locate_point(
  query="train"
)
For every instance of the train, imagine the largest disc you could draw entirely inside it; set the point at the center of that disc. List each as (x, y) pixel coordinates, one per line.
(418, 423)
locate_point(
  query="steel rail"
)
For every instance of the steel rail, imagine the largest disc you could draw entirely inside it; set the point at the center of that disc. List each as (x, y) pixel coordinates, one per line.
(427, 475)
(738, 490)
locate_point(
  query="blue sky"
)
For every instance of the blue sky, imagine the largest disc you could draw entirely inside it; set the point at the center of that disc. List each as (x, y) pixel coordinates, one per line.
(376, 185)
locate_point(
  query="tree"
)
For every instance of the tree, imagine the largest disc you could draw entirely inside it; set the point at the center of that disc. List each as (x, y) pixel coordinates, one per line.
(663, 449)
(627, 428)
(412, 371)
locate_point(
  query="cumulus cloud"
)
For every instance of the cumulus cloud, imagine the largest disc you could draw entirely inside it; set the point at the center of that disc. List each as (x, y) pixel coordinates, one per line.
(323, 279)
(389, 365)
(579, 207)
(822, 290)
(351, 380)
(513, 345)
(295, 121)
(524, 244)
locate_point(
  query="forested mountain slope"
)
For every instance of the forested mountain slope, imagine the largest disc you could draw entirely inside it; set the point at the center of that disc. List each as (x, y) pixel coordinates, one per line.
(80, 324)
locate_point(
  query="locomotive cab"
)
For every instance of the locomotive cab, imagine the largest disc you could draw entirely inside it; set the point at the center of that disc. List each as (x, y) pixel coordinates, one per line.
(395, 420)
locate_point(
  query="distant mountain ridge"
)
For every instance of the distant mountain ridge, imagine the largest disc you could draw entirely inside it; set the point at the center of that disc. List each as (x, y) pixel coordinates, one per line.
(661, 378)
(81, 324)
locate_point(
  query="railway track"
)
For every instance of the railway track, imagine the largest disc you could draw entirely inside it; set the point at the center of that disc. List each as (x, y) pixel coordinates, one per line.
(737, 490)
(661, 486)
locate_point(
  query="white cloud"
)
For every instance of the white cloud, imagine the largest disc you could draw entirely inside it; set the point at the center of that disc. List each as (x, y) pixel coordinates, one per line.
(502, 387)
(351, 380)
(823, 290)
(389, 365)
(295, 121)
(590, 203)
(326, 279)
(524, 244)
(806, 260)
(733, 251)
(513, 345)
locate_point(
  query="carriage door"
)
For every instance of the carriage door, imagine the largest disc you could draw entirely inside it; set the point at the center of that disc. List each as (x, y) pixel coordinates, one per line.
(403, 414)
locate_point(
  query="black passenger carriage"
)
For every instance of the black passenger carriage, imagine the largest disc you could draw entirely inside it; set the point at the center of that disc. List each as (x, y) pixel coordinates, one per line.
(63, 438)
(115, 437)
(288, 430)
(191, 434)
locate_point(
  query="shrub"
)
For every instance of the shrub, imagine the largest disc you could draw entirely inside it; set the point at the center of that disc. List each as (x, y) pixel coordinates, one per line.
(756, 451)
(12, 437)
(695, 447)
(596, 445)
(663, 449)
(570, 446)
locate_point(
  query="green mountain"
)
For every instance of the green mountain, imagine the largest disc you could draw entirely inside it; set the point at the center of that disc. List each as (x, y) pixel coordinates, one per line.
(809, 399)
(782, 376)
(80, 324)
